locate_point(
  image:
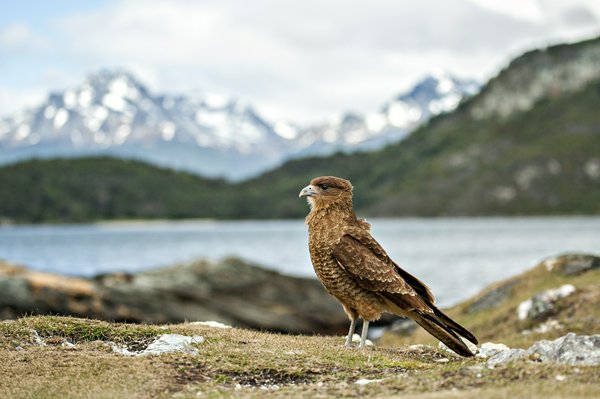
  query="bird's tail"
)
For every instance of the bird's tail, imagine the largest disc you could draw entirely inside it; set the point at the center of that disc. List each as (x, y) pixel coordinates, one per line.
(445, 329)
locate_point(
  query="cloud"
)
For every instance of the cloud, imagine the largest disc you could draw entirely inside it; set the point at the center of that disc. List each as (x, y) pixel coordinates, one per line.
(307, 59)
(19, 39)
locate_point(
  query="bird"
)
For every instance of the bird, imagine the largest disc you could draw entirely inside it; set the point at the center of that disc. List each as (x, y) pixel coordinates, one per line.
(355, 269)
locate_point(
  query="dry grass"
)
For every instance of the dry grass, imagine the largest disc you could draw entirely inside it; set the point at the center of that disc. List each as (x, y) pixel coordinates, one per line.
(578, 313)
(244, 363)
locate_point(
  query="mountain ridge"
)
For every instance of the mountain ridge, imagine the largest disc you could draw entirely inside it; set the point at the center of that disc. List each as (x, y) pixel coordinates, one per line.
(113, 113)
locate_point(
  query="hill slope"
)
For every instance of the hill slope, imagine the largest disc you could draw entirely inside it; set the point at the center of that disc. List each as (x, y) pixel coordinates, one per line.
(104, 188)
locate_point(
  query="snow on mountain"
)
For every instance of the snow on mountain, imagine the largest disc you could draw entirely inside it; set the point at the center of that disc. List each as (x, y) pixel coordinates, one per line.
(114, 114)
(437, 93)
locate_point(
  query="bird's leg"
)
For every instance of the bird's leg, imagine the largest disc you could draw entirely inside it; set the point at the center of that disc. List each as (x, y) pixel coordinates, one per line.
(348, 343)
(363, 335)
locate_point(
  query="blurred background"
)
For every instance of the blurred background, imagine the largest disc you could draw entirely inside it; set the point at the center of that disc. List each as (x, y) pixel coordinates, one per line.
(137, 134)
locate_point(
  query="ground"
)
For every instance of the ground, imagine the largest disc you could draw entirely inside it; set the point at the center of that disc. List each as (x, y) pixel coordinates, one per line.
(245, 363)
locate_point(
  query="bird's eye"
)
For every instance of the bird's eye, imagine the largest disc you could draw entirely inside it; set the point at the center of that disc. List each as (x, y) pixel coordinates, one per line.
(324, 186)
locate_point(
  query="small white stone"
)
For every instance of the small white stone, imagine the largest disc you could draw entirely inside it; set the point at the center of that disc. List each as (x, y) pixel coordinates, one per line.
(356, 339)
(489, 349)
(365, 381)
(173, 343)
(213, 324)
(122, 351)
(523, 309)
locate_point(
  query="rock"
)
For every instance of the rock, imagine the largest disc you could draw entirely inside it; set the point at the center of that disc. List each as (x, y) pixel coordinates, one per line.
(356, 340)
(122, 351)
(569, 349)
(37, 339)
(541, 303)
(229, 292)
(365, 381)
(213, 324)
(493, 298)
(489, 349)
(167, 343)
(571, 264)
(505, 357)
(542, 328)
(67, 345)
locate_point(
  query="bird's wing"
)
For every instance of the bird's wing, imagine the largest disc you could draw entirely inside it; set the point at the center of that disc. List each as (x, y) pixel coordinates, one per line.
(365, 260)
(378, 262)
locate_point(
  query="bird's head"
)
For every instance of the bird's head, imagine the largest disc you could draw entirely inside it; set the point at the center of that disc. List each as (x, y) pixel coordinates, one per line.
(325, 190)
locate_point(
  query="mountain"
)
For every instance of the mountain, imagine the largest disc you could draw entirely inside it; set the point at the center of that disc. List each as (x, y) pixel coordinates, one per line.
(528, 143)
(112, 113)
(436, 93)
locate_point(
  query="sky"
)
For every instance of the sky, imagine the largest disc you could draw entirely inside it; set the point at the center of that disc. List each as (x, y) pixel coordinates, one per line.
(300, 61)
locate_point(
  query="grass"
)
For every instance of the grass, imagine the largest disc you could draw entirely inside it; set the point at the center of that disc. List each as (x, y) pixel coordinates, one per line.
(578, 313)
(244, 363)
(76, 359)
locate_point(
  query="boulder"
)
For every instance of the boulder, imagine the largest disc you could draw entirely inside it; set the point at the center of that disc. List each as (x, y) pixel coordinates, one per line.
(569, 349)
(231, 292)
(542, 303)
(505, 357)
(571, 264)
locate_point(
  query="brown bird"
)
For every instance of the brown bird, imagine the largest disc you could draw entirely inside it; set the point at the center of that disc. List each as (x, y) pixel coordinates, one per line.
(357, 271)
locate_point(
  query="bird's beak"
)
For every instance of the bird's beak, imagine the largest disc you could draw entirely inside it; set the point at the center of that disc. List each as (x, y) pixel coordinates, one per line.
(307, 192)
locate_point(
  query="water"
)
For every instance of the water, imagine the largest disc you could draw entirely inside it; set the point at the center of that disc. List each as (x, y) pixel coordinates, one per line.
(456, 257)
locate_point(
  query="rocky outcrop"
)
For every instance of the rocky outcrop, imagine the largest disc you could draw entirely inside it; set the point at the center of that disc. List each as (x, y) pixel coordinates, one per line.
(230, 292)
(544, 73)
(569, 349)
(542, 303)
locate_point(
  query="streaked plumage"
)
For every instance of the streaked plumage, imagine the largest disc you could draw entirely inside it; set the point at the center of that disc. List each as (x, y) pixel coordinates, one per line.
(357, 271)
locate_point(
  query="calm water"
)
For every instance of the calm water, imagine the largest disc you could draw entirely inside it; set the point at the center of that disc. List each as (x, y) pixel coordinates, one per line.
(456, 257)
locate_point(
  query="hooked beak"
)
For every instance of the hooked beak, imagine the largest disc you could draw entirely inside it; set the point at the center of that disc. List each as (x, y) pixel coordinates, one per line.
(307, 192)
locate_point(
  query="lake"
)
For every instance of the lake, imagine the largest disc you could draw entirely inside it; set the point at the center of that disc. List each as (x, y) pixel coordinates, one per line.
(456, 257)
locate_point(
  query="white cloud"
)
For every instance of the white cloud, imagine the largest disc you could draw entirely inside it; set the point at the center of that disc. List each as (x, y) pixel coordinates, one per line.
(19, 38)
(13, 100)
(307, 59)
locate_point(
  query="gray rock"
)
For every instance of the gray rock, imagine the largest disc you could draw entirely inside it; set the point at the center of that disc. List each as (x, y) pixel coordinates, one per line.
(167, 343)
(542, 303)
(37, 339)
(505, 357)
(570, 349)
(571, 264)
(493, 298)
(231, 292)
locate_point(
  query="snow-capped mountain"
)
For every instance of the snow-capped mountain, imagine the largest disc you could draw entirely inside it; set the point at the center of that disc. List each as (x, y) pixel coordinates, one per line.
(436, 93)
(114, 114)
